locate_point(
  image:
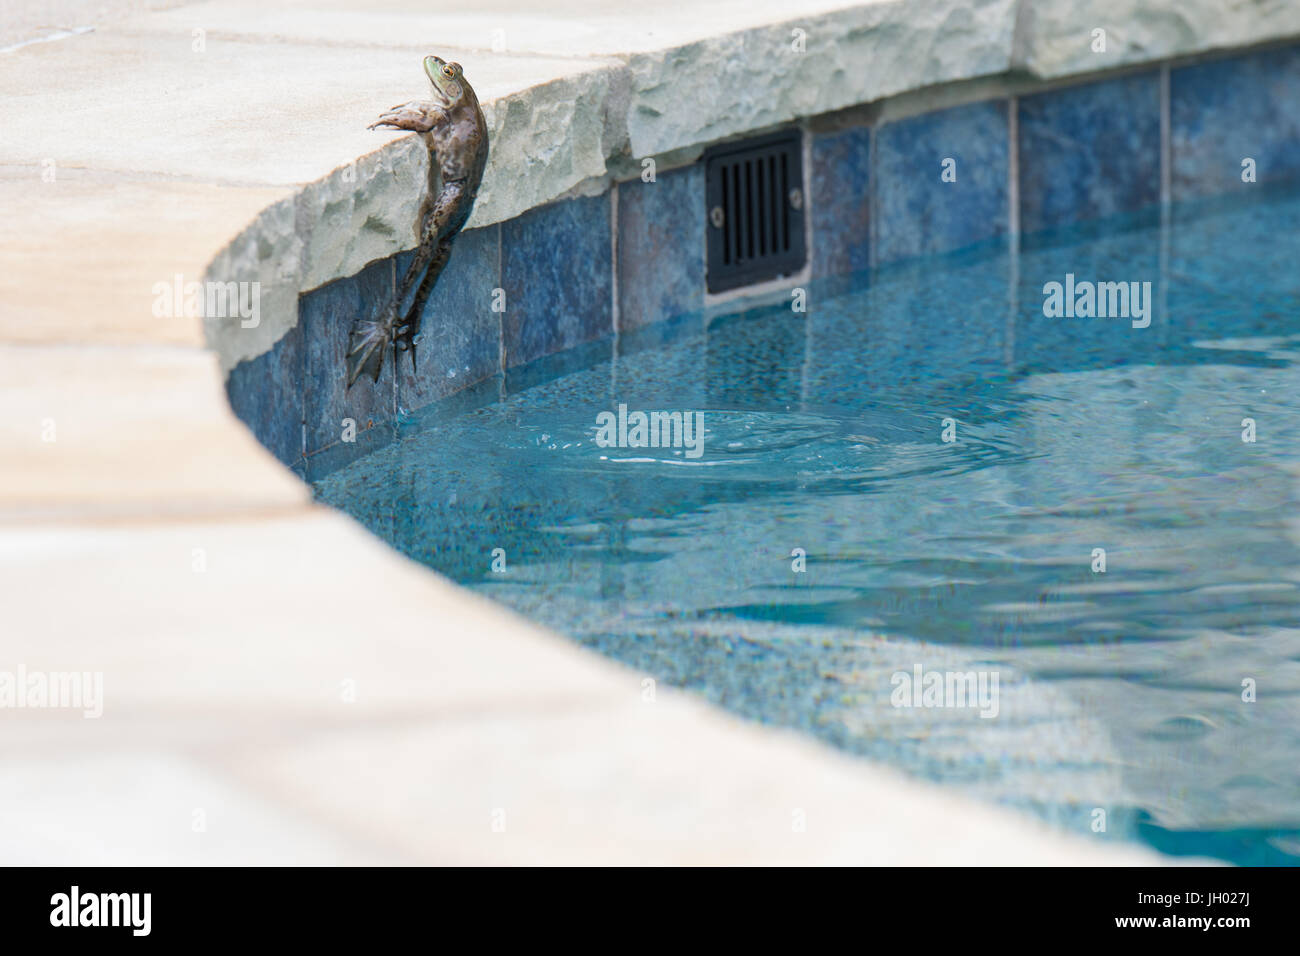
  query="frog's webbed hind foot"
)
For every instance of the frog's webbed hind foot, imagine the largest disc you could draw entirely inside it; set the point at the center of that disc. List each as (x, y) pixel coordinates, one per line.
(367, 344)
(416, 116)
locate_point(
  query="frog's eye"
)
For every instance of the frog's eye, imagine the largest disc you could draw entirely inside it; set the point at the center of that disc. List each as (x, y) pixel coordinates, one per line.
(453, 69)
(448, 71)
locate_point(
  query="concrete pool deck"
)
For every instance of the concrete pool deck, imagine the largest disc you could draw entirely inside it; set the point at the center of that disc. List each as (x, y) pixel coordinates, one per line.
(279, 686)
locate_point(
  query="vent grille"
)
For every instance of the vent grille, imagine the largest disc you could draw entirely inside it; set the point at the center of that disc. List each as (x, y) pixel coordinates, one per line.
(755, 208)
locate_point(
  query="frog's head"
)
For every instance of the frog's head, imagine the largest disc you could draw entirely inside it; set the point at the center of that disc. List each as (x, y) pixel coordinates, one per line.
(448, 81)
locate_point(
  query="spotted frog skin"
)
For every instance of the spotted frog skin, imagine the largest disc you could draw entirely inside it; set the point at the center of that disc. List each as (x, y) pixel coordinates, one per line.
(455, 133)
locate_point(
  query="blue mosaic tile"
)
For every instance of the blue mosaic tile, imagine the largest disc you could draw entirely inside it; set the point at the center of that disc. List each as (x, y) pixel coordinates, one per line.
(460, 340)
(1219, 251)
(841, 201)
(557, 365)
(1125, 250)
(652, 370)
(1089, 151)
(916, 212)
(661, 228)
(267, 394)
(325, 317)
(556, 271)
(958, 328)
(1223, 112)
(765, 344)
(341, 454)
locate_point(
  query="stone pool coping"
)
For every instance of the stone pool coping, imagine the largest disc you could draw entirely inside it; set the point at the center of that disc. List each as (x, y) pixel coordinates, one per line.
(148, 536)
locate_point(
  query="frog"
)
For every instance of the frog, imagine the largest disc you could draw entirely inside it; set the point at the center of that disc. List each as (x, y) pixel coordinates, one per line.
(455, 133)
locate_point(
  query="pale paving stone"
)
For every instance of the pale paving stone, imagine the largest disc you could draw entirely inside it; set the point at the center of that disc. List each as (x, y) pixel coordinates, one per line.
(669, 782)
(569, 28)
(241, 111)
(136, 431)
(35, 21)
(134, 808)
(79, 257)
(282, 612)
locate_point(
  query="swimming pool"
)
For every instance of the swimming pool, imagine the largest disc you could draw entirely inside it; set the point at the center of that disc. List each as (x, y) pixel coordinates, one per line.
(925, 473)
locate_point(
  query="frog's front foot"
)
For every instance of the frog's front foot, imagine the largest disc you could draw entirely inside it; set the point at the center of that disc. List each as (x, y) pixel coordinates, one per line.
(415, 116)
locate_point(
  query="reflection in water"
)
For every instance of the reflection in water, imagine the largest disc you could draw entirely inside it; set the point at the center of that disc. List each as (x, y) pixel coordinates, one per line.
(1120, 691)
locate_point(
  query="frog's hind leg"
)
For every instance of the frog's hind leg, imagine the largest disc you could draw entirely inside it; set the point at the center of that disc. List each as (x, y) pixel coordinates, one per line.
(404, 338)
(371, 337)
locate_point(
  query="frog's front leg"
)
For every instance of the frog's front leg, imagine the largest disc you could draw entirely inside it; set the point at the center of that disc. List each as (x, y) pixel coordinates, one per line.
(417, 116)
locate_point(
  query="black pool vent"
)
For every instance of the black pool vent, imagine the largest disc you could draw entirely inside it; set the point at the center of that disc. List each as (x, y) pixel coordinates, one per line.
(755, 202)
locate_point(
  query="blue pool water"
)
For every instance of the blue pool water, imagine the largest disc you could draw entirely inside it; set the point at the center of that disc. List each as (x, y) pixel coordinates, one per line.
(1119, 691)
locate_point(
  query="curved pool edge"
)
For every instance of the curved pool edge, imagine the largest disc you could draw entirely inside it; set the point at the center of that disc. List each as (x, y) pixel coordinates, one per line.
(155, 540)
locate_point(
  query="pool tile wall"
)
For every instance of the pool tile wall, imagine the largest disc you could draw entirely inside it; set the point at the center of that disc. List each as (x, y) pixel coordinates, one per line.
(840, 201)
(1089, 151)
(661, 236)
(918, 210)
(580, 275)
(556, 269)
(1225, 111)
(267, 395)
(325, 317)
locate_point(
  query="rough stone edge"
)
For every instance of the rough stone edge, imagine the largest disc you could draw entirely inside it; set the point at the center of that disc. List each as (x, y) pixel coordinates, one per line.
(1055, 38)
